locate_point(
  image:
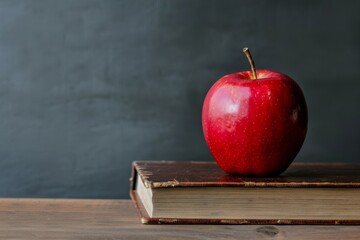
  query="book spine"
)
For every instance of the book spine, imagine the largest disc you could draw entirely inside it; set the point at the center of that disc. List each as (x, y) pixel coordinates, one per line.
(133, 177)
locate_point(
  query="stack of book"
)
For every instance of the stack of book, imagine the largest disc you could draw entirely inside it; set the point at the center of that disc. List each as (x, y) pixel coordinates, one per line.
(200, 192)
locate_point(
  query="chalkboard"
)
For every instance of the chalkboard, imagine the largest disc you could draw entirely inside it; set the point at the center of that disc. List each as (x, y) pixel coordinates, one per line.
(88, 86)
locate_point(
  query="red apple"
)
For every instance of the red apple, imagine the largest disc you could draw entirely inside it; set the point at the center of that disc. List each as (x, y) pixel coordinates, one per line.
(254, 122)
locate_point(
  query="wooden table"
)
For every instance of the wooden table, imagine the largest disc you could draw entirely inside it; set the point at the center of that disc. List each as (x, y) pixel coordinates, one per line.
(116, 219)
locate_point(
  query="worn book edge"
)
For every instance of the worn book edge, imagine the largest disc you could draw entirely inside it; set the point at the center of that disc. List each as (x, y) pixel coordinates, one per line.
(146, 219)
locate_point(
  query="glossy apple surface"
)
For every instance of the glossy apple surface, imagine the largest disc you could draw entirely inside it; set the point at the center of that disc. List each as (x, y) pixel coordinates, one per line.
(254, 127)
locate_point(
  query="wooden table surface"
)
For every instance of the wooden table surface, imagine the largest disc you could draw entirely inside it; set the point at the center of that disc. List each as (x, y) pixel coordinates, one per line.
(117, 219)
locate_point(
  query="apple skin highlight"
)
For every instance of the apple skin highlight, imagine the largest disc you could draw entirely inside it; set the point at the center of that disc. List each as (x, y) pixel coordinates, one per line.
(255, 127)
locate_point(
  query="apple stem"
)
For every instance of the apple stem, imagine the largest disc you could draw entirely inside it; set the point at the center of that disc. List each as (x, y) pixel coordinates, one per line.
(251, 61)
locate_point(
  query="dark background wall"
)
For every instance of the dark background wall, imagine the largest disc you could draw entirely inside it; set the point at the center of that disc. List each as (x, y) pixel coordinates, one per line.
(88, 86)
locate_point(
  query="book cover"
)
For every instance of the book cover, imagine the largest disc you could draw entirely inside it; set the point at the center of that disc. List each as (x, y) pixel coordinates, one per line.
(176, 175)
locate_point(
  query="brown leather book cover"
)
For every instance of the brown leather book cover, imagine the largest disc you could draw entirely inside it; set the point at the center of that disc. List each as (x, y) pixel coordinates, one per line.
(165, 174)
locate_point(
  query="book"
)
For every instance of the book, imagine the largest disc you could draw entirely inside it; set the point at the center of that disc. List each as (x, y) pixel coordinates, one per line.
(166, 192)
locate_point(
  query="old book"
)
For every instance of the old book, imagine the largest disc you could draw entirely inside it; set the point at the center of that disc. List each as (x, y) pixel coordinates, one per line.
(200, 192)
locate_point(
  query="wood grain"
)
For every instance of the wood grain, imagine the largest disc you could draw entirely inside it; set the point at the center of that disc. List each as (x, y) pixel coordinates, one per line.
(116, 219)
